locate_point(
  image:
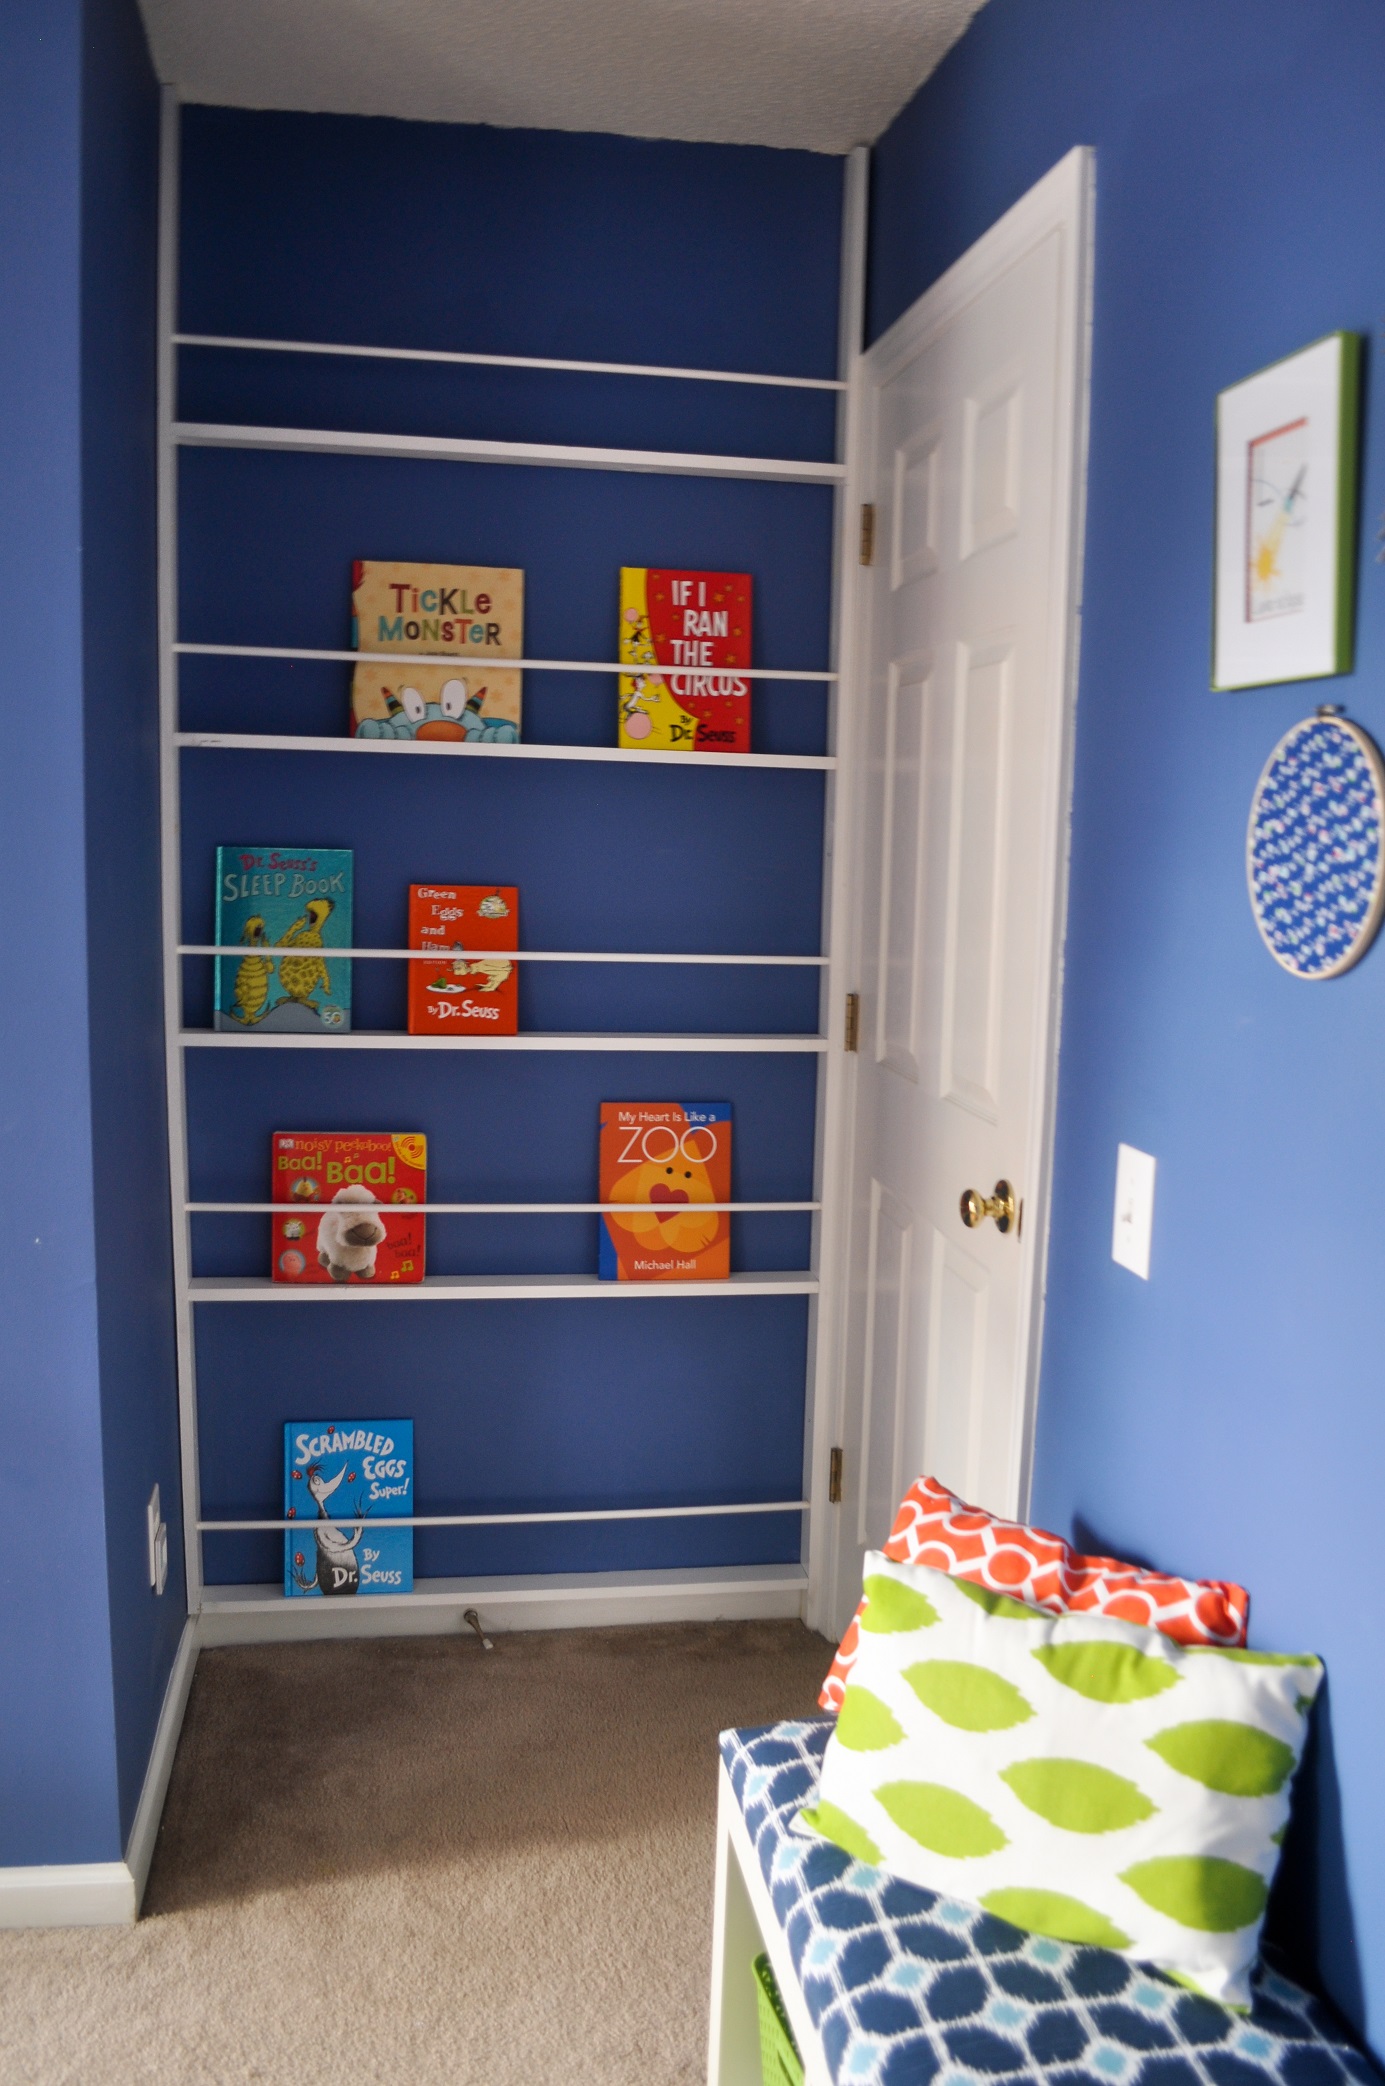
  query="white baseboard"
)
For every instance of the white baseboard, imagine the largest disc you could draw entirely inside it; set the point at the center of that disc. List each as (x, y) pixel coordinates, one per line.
(68, 1894)
(108, 1893)
(139, 1849)
(531, 1601)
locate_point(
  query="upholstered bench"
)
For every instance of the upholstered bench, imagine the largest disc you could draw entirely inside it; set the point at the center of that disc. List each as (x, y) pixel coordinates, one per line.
(889, 1985)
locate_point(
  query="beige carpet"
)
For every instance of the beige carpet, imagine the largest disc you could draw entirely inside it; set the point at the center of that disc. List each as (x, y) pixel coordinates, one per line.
(412, 1861)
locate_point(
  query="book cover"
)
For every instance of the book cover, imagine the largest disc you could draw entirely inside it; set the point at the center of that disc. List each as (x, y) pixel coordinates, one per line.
(472, 989)
(476, 610)
(685, 622)
(665, 1157)
(368, 1180)
(344, 1483)
(290, 907)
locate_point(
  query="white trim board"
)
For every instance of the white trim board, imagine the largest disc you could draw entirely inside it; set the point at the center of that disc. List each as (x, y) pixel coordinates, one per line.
(139, 1849)
(530, 1601)
(108, 1893)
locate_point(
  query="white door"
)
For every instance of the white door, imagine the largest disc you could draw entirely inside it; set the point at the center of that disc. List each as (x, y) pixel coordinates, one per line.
(973, 424)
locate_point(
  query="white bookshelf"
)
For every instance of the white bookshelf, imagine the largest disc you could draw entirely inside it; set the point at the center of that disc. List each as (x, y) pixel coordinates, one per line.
(231, 1613)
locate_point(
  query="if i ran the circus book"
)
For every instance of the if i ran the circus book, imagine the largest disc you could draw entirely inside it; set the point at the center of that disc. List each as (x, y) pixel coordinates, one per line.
(344, 1482)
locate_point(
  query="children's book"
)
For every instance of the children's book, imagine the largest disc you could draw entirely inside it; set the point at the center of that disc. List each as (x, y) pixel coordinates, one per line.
(475, 610)
(473, 988)
(684, 623)
(368, 1181)
(666, 1158)
(344, 1482)
(290, 907)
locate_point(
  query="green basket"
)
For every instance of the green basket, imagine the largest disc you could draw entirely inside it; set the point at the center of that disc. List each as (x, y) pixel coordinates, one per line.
(780, 2063)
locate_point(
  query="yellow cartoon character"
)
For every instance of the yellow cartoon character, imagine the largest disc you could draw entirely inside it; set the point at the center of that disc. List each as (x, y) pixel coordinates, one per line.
(301, 976)
(253, 974)
(668, 1221)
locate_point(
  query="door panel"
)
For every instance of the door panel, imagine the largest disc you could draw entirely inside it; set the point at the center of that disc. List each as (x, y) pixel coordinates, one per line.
(887, 1348)
(973, 414)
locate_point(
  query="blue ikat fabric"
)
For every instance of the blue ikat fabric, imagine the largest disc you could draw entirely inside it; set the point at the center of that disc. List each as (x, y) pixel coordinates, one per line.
(907, 1988)
(1314, 848)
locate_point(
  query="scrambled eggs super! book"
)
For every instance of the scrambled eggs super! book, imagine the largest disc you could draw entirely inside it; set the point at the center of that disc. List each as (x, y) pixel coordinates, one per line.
(474, 610)
(473, 988)
(667, 1159)
(290, 907)
(681, 624)
(350, 1196)
(344, 1483)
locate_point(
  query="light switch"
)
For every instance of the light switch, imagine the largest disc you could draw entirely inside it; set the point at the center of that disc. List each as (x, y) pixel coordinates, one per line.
(156, 1533)
(1134, 1220)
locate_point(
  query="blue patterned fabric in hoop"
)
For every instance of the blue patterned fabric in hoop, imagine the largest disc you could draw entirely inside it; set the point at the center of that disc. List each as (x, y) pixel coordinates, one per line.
(907, 1988)
(1315, 849)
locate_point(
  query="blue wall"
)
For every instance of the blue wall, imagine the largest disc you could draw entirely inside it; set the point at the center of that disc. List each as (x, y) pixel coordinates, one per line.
(139, 1414)
(1227, 1418)
(57, 1767)
(530, 243)
(86, 1389)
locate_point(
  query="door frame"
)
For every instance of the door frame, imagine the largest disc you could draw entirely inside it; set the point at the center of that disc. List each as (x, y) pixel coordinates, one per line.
(1061, 204)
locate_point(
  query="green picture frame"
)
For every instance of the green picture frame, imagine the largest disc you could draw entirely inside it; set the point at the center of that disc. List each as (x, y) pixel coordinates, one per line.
(1285, 518)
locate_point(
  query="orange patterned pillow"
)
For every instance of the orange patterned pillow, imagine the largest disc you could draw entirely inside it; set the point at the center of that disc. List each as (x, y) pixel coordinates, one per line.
(934, 1527)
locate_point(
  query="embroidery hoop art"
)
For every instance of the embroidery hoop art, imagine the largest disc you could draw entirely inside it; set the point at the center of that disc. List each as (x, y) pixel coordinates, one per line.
(1315, 847)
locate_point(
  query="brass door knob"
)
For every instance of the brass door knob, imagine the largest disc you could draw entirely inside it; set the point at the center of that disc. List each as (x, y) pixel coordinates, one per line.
(976, 1208)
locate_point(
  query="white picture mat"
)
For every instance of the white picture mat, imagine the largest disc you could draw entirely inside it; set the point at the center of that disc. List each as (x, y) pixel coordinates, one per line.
(1300, 645)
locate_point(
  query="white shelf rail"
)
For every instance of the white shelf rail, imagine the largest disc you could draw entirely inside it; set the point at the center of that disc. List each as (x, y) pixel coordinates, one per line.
(700, 763)
(465, 449)
(536, 666)
(551, 362)
(600, 1039)
(749, 1506)
(441, 955)
(492, 1209)
(498, 1289)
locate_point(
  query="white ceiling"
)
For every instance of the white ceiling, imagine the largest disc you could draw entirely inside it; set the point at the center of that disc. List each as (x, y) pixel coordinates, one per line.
(819, 74)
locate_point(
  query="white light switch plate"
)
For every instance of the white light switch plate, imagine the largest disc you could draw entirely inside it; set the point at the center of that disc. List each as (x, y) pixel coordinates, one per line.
(1134, 1220)
(156, 1532)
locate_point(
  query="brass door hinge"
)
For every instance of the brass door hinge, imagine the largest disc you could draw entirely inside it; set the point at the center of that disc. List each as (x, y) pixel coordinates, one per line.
(868, 534)
(834, 1478)
(851, 1037)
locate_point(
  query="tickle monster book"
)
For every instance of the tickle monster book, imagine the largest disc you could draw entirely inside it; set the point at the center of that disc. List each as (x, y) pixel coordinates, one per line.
(345, 1483)
(290, 906)
(665, 1158)
(471, 989)
(682, 621)
(477, 610)
(349, 1195)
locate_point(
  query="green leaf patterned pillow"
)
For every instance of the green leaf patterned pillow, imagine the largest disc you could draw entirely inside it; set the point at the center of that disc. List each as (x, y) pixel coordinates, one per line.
(1078, 1776)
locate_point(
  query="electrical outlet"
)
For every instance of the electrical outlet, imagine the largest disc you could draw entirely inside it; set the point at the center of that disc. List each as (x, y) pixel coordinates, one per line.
(1133, 1226)
(156, 1533)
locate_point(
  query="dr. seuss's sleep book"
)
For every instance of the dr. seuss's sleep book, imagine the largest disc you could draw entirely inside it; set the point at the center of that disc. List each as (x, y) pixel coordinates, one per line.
(476, 610)
(288, 907)
(667, 1158)
(344, 1482)
(473, 988)
(350, 1196)
(684, 623)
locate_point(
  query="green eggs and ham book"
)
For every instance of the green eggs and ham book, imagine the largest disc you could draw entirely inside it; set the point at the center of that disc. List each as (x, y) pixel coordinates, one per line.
(344, 1482)
(287, 909)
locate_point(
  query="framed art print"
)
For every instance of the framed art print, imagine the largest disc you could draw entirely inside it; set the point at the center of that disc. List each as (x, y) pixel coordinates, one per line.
(1286, 518)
